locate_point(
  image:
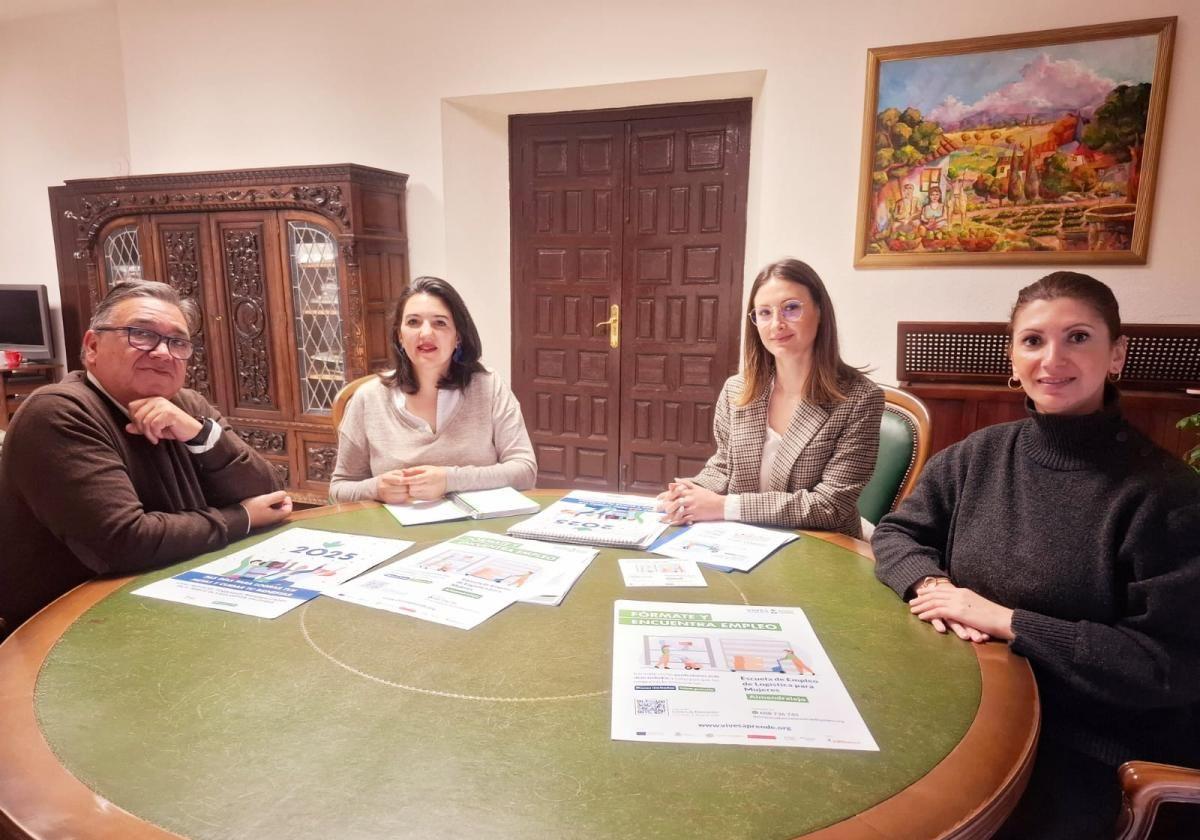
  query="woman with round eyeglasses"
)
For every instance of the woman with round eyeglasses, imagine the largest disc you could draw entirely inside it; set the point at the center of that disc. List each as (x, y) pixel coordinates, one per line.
(797, 431)
(1073, 538)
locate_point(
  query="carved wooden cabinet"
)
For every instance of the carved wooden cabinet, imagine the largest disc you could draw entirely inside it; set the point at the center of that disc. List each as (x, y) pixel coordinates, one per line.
(293, 270)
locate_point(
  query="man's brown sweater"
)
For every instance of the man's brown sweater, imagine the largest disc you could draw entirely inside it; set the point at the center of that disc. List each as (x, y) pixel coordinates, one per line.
(80, 496)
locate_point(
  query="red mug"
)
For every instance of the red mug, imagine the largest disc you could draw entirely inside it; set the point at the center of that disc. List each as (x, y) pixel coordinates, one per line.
(12, 358)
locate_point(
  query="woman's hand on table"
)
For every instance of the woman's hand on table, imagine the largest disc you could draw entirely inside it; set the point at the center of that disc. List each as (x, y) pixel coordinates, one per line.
(685, 502)
(391, 488)
(425, 482)
(963, 611)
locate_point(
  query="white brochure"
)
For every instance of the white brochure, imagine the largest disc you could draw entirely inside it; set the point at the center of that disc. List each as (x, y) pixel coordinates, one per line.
(727, 674)
(729, 545)
(281, 572)
(642, 571)
(466, 580)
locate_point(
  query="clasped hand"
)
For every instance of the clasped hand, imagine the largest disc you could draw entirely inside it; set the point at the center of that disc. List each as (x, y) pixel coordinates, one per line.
(968, 614)
(157, 418)
(423, 483)
(684, 502)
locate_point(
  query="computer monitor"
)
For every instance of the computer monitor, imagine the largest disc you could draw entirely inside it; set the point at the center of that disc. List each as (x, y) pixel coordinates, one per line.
(25, 321)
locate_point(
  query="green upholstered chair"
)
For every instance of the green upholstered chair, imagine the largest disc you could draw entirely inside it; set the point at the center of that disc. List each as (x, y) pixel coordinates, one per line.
(904, 435)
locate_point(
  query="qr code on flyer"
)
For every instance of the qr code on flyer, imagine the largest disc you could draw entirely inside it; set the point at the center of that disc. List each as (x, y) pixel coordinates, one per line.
(656, 706)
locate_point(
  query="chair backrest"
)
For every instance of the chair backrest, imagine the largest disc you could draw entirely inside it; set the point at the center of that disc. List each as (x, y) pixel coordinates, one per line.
(343, 397)
(904, 436)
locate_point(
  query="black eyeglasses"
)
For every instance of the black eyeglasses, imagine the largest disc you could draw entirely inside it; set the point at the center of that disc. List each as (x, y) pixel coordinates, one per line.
(148, 340)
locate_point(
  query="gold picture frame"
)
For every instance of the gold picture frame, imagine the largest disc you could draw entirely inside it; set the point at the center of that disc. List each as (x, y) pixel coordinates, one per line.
(1038, 148)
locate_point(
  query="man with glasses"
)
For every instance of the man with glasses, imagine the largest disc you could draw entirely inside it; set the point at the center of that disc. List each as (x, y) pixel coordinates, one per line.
(118, 468)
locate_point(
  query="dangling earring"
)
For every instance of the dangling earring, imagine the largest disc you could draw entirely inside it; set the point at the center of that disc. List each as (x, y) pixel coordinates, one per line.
(1013, 387)
(1114, 378)
(457, 354)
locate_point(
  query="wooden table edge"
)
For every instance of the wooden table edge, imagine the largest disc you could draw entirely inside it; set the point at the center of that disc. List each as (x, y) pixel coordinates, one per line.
(40, 798)
(1006, 726)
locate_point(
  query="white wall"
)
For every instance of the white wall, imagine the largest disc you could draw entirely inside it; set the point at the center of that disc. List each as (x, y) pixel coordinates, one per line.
(62, 111)
(425, 87)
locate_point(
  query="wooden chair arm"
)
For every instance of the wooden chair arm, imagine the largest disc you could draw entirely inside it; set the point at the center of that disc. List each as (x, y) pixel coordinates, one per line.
(1146, 785)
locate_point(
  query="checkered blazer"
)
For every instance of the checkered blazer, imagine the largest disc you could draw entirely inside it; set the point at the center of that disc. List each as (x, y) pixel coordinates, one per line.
(826, 458)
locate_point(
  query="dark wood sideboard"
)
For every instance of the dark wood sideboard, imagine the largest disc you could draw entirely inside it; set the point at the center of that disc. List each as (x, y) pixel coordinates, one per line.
(293, 271)
(961, 369)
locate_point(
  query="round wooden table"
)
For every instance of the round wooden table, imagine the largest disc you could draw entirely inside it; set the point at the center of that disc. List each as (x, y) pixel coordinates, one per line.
(123, 716)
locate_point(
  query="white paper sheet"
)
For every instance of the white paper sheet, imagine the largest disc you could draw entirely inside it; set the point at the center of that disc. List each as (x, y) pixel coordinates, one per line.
(273, 576)
(727, 674)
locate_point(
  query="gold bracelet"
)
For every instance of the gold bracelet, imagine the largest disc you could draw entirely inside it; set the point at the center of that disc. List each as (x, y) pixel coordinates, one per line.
(930, 581)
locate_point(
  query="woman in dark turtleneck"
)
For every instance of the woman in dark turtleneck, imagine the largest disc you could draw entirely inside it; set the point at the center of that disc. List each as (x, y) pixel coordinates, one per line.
(1075, 539)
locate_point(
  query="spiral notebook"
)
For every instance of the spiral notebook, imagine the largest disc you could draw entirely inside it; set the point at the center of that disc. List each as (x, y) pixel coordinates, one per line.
(596, 519)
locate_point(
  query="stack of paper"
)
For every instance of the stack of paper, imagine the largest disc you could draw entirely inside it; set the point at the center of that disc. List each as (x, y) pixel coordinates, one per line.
(726, 545)
(466, 580)
(273, 576)
(596, 519)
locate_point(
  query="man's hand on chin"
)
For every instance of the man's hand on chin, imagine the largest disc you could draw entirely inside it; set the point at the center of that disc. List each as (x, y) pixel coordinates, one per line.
(156, 418)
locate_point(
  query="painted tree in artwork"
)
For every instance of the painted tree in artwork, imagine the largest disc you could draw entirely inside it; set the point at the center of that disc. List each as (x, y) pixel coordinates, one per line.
(1119, 128)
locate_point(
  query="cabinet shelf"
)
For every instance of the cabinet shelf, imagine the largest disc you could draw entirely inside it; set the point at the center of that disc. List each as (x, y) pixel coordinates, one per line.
(328, 312)
(325, 377)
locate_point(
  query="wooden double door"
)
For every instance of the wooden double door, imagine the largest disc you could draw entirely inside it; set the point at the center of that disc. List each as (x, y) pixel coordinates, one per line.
(628, 242)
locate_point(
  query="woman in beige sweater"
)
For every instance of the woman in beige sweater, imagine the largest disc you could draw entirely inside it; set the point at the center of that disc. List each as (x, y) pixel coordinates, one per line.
(441, 421)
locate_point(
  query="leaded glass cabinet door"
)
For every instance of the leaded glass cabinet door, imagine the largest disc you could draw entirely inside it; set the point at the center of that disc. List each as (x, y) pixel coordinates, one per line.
(316, 301)
(122, 254)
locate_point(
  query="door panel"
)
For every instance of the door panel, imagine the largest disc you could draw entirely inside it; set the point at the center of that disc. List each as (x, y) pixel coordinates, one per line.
(181, 249)
(683, 288)
(255, 306)
(567, 224)
(643, 209)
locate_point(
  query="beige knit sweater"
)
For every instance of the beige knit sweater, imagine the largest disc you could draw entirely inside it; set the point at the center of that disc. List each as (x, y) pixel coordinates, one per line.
(482, 445)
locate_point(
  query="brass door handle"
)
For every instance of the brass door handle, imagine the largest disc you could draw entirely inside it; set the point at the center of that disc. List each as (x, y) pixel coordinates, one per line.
(614, 326)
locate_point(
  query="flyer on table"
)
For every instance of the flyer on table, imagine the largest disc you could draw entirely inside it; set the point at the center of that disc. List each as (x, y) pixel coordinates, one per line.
(729, 545)
(727, 674)
(466, 580)
(281, 572)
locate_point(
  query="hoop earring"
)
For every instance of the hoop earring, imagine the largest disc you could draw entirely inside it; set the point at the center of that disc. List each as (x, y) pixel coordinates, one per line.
(1013, 387)
(1114, 378)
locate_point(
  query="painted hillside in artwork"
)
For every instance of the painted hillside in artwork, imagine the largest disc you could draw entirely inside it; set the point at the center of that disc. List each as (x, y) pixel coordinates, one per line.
(1036, 149)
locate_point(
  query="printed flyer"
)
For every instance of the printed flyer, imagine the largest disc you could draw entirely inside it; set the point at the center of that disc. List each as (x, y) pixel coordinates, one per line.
(726, 545)
(727, 674)
(273, 576)
(464, 581)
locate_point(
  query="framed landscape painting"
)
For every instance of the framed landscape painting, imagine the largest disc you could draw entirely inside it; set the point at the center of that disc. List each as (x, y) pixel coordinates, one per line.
(1037, 148)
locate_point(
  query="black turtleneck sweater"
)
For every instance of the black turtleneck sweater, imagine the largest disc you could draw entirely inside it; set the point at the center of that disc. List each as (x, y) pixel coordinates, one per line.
(1091, 534)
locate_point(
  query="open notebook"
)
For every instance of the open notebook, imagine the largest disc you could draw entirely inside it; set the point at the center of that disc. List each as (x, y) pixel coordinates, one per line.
(472, 504)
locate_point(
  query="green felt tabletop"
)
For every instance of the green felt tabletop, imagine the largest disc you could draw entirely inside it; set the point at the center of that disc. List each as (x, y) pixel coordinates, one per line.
(337, 720)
